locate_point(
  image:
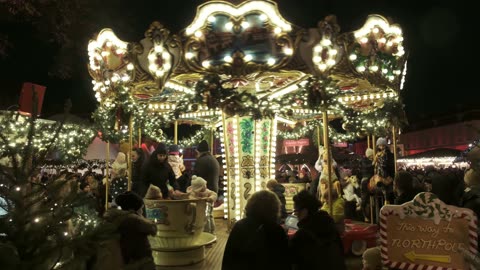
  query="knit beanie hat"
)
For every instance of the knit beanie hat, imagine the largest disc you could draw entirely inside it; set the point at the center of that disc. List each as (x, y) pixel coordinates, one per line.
(161, 149)
(382, 141)
(203, 146)
(153, 193)
(369, 152)
(472, 178)
(198, 183)
(129, 201)
(174, 150)
(372, 258)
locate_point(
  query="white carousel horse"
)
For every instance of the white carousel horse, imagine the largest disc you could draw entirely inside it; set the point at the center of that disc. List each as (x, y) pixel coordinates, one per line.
(349, 190)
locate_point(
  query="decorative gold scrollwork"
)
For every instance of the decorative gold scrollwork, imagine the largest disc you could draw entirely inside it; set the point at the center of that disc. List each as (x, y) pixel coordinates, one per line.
(232, 195)
(248, 188)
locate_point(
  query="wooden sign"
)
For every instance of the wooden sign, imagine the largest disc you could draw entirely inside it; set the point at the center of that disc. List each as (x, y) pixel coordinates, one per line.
(26, 97)
(427, 234)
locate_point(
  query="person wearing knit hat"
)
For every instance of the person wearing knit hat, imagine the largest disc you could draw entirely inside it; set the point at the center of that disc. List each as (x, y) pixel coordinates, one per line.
(384, 169)
(366, 171)
(198, 190)
(203, 147)
(129, 201)
(372, 259)
(471, 196)
(134, 230)
(206, 166)
(161, 149)
(158, 172)
(174, 149)
(176, 162)
(381, 141)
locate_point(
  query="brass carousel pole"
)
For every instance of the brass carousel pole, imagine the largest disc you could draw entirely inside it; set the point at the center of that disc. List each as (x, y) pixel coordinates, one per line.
(107, 183)
(318, 140)
(326, 145)
(212, 140)
(175, 132)
(139, 137)
(129, 156)
(394, 138)
(368, 142)
(373, 199)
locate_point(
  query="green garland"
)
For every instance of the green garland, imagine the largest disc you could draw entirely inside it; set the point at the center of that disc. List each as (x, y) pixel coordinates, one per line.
(211, 92)
(376, 122)
(72, 141)
(113, 116)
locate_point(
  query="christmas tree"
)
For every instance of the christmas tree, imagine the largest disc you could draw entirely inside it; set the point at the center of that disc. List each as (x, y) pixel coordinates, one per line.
(43, 225)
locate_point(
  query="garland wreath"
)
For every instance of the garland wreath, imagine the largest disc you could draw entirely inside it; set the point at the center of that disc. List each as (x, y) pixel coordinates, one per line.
(112, 117)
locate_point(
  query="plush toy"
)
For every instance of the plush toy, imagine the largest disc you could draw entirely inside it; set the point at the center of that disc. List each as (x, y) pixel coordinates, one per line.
(119, 166)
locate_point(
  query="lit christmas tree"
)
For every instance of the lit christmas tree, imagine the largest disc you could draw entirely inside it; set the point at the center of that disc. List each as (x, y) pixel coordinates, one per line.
(44, 225)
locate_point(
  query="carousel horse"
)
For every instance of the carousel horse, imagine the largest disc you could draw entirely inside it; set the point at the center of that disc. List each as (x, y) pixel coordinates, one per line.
(349, 191)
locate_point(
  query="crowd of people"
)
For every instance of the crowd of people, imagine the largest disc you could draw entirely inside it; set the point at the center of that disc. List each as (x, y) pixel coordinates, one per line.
(163, 170)
(260, 235)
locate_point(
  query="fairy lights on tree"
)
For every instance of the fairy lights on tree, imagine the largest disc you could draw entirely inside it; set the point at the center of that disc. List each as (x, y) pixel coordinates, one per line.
(42, 227)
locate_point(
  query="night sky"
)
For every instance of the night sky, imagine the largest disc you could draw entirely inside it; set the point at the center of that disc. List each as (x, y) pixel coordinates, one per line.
(440, 77)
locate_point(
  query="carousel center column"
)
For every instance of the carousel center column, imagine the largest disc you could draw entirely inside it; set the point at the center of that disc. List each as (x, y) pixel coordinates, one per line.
(250, 159)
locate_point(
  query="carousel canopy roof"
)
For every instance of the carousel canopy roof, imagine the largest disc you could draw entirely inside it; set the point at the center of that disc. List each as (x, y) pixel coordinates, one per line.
(247, 58)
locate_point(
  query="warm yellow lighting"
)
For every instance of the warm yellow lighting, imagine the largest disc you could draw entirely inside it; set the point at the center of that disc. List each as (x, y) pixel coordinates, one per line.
(245, 25)
(228, 26)
(208, 9)
(288, 51)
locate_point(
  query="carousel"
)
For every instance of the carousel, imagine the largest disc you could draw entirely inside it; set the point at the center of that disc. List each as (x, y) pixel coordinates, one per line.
(240, 71)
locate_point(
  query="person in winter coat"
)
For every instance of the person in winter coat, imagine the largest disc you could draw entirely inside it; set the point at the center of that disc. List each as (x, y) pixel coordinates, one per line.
(448, 188)
(279, 190)
(133, 229)
(471, 195)
(404, 188)
(138, 160)
(384, 169)
(198, 190)
(258, 241)
(207, 166)
(158, 172)
(372, 259)
(316, 244)
(366, 171)
(338, 203)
